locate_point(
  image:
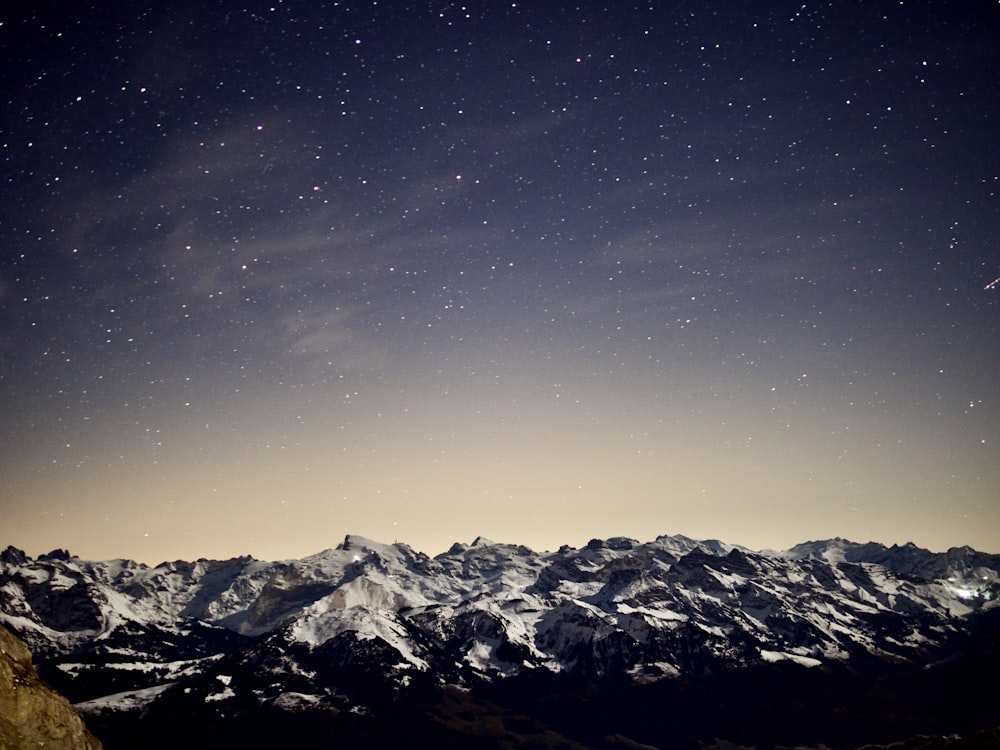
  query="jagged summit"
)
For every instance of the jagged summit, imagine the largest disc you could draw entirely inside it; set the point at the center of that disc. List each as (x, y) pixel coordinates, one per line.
(13, 556)
(355, 541)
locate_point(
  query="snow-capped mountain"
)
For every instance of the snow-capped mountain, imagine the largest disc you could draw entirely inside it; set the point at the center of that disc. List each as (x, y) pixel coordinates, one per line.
(356, 627)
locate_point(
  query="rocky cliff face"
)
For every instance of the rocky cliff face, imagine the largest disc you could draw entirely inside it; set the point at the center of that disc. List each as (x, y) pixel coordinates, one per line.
(32, 715)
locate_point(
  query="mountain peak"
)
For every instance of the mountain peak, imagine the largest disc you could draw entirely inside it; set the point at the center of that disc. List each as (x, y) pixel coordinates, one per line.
(356, 542)
(13, 556)
(56, 554)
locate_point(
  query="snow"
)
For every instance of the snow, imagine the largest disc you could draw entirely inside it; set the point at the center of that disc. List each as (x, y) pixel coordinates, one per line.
(35, 574)
(292, 701)
(653, 616)
(648, 672)
(480, 655)
(715, 630)
(129, 700)
(775, 656)
(361, 606)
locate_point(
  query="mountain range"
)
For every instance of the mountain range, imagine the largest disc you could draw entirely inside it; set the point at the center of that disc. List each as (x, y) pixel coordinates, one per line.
(673, 642)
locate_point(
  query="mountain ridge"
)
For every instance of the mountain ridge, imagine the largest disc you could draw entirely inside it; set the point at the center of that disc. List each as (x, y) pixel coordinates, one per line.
(353, 627)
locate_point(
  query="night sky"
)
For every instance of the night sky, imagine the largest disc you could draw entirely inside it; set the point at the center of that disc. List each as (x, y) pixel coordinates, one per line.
(274, 272)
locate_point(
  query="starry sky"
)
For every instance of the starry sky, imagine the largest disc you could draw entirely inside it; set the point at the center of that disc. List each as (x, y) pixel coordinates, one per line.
(276, 271)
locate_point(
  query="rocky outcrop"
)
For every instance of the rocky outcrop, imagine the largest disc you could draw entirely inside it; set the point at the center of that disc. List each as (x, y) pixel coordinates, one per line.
(32, 715)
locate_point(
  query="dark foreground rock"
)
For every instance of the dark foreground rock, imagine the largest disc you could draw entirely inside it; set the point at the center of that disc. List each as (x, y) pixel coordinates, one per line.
(32, 715)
